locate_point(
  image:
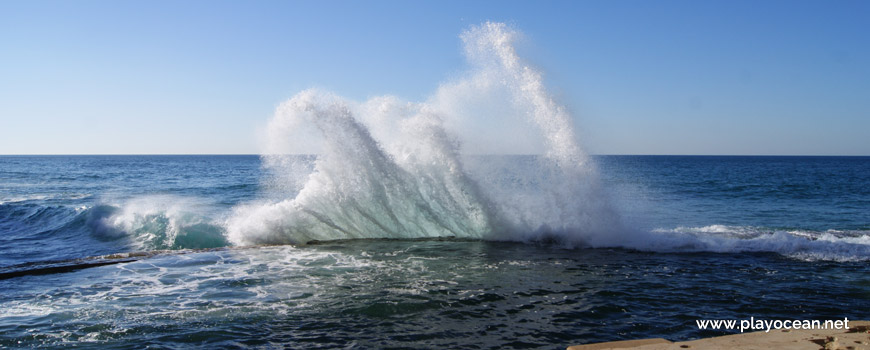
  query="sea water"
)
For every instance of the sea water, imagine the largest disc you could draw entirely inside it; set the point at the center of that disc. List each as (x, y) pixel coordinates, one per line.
(727, 238)
(390, 224)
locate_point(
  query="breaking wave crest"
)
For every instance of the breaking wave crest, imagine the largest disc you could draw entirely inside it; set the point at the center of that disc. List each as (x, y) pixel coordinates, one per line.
(155, 223)
(387, 168)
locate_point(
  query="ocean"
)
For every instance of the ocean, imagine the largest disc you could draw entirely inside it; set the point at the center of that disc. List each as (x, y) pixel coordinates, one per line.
(471, 220)
(705, 237)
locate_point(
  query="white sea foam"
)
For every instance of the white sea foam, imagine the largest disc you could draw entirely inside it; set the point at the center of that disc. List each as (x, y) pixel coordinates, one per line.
(390, 168)
(42, 197)
(803, 244)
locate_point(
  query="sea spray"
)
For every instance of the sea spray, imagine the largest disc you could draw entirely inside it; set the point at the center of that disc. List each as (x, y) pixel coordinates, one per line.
(565, 200)
(358, 190)
(387, 168)
(392, 169)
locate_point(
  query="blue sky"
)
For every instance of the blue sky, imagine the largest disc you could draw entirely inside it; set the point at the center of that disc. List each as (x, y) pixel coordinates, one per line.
(641, 77)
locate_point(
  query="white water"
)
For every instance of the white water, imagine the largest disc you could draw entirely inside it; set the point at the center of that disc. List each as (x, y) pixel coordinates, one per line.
(387, 168)
(805, 245)
(157, 222)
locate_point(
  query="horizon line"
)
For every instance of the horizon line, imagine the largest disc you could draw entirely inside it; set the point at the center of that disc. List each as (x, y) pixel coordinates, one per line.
(478, 154)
